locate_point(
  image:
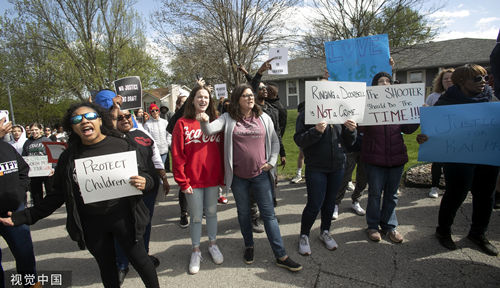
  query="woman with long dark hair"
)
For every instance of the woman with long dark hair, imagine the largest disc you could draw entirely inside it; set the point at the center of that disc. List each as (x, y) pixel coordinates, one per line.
(198, 171)
(251, 149)
(96, 225)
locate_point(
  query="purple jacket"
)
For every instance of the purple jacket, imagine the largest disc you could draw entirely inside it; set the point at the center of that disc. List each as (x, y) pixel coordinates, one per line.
(383, 145)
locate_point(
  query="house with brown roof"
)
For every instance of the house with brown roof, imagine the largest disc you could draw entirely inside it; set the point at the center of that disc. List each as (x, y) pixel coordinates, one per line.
(164, 96)
(415, 64)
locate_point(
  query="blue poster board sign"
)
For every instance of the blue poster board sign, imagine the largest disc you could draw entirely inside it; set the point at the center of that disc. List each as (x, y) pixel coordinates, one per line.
(358, 59)
(466, 133)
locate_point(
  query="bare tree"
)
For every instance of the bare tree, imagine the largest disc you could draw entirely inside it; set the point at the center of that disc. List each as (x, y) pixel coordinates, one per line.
(403, 20)
(237, 30)
(96, 40)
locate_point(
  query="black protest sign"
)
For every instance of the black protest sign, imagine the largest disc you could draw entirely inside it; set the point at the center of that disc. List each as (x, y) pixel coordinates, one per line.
(130, 89)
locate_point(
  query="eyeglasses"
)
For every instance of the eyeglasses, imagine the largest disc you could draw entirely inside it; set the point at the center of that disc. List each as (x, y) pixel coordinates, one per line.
(126, 116)
(78, 118)
(484, 78)
(154, 110)
(247, 95)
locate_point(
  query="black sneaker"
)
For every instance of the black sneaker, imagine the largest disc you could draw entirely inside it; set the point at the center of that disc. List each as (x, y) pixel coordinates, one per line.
(122, 273)
(483, 243)
(156, 261)
(445, 240)
(289, 264)
(184, 223)
(248, 256)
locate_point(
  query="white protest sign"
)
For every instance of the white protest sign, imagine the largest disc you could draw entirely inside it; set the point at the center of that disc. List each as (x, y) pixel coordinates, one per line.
(4, 114)
(280, 64)
(220, 90)
(334, 102)
(393, 104)
(39, 166)
(106, 177)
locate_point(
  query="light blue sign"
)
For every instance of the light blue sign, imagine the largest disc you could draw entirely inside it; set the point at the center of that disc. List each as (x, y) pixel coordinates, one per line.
(358, 59)
(466, 133)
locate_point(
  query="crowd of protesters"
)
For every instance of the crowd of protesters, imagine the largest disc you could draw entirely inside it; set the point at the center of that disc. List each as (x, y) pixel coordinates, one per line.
(237, 144)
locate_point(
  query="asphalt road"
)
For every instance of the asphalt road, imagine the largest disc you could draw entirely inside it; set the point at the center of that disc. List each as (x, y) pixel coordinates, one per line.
(418, 262)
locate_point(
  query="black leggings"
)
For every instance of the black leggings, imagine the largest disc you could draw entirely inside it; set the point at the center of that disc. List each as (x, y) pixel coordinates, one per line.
(100, 232)
(436, 173)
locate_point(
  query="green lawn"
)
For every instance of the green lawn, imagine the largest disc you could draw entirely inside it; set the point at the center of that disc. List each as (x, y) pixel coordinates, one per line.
(292, 151)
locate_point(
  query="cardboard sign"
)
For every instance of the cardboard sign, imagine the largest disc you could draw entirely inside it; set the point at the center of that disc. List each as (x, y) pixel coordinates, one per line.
(130, 89)
(334, 102)
(107, 177)
(393, 104)
(358, 59)
(39, 166)
(54, 150)
(220, 90)
(466, 133)
(280, 64)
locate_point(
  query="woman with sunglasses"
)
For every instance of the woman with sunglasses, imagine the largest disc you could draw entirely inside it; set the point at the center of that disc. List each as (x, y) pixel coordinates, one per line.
(470, 87)
(146, 146)
(34, 147)
(198, 171)
(96, 225)
(251, 149)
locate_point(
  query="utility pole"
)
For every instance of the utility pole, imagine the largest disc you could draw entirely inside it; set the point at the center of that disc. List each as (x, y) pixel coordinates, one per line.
(10, 103)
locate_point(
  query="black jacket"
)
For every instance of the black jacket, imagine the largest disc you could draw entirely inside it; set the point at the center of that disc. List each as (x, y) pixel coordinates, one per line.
(63, 193)
(323, 152)
(282, 113)
(14, 178)
(455, 96)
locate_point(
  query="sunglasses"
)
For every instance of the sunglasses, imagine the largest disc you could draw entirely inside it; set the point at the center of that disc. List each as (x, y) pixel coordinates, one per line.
(126, 116)
(262, 87)
(154, 110)
(78, 118)
(480, 78)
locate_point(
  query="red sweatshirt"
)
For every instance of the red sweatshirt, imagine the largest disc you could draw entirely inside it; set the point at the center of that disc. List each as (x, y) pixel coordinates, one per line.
(197, 158)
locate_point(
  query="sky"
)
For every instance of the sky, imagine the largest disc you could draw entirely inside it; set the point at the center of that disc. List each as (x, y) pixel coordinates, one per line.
(458, 18)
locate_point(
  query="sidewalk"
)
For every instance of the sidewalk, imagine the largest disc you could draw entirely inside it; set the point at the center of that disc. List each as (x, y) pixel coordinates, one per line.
(418, 262)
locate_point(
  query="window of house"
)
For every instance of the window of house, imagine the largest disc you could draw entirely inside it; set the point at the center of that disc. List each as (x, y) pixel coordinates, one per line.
(292, 93)
(416, 76)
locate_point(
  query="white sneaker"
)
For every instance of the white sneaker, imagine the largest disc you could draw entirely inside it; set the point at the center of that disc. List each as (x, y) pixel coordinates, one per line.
(434, 192)
(304, 248)
(194, 264)
(335, 214)
(328, 240)
(357, 209)
(216, 254)
(296, 179)
(350, 186)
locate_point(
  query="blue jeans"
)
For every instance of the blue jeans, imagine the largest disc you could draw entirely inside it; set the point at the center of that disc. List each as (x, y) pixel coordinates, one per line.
(261, 189)
(19, 240)
(322, 188)
(384, 179)
(121, 259)
(203, 199)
